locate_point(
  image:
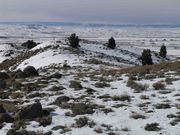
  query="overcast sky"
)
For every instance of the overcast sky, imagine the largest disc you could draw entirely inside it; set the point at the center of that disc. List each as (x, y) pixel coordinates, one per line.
(101, 11)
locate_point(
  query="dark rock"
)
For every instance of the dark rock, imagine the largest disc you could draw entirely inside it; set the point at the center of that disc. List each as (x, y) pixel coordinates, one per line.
(2, 110)
(31, 111)
(48, 133)
(56, 88)
(30, 71)
(162, 106)
(22, 132)
(47, 111)
(4, 76)
(19, 74)
(152, 127)
(12, 132)
(4, 117)
(56, 75)
(3, 84)
(9, 53)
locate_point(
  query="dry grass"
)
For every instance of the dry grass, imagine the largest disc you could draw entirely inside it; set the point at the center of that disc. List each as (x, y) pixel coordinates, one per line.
(5, 65)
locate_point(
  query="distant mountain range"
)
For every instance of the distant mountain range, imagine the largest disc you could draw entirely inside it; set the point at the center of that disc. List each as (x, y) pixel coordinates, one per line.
(92, 24)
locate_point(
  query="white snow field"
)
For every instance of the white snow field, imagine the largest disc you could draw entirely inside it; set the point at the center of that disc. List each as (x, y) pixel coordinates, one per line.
(115, 99)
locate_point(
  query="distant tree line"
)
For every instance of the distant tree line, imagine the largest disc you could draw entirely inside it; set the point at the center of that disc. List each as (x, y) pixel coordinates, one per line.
(146, 56)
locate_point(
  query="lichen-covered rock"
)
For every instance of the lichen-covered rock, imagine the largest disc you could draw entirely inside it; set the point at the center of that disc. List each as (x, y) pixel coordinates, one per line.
(30, 112)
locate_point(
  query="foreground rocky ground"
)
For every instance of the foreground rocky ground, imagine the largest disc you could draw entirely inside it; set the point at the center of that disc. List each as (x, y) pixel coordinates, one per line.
(78, 92)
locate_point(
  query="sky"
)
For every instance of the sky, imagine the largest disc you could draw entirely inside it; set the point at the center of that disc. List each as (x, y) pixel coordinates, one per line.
(96, 11)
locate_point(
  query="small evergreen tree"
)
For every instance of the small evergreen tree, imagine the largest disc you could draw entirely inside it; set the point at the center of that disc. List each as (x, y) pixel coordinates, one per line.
(111, 43)
(74, 40)
(163, 51)
(146, 57)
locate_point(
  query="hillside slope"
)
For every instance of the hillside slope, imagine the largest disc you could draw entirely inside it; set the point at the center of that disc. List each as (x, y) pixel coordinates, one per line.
(91, 90)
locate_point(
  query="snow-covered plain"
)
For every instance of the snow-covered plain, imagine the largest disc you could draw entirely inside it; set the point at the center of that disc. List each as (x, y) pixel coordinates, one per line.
(130, 43)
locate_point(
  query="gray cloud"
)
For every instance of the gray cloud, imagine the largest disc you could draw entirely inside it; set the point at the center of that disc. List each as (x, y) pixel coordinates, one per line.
(111, 11)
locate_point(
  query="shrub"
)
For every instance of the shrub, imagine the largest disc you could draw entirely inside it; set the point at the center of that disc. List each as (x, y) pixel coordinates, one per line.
(146, 57)
(82, 108)
(29, 44)
(163, 51)
(124, 97)
(136, 86)
(152, 127)
(159, 85)
(162, 106)
(82, 121)
(74, 40)
(101, 85)
(138, 116)
(111, 43)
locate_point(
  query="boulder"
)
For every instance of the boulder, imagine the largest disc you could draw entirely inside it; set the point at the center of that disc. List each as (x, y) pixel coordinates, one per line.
(2, 110)
(30, 71)
(2, 84)
(30, 112)
(4, 76)
(4, 117)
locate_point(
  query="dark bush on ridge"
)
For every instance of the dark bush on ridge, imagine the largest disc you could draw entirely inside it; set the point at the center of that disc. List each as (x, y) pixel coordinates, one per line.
(74, 40)
(146, 57)
(29, 44)
(111, 43)
(163, 51)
